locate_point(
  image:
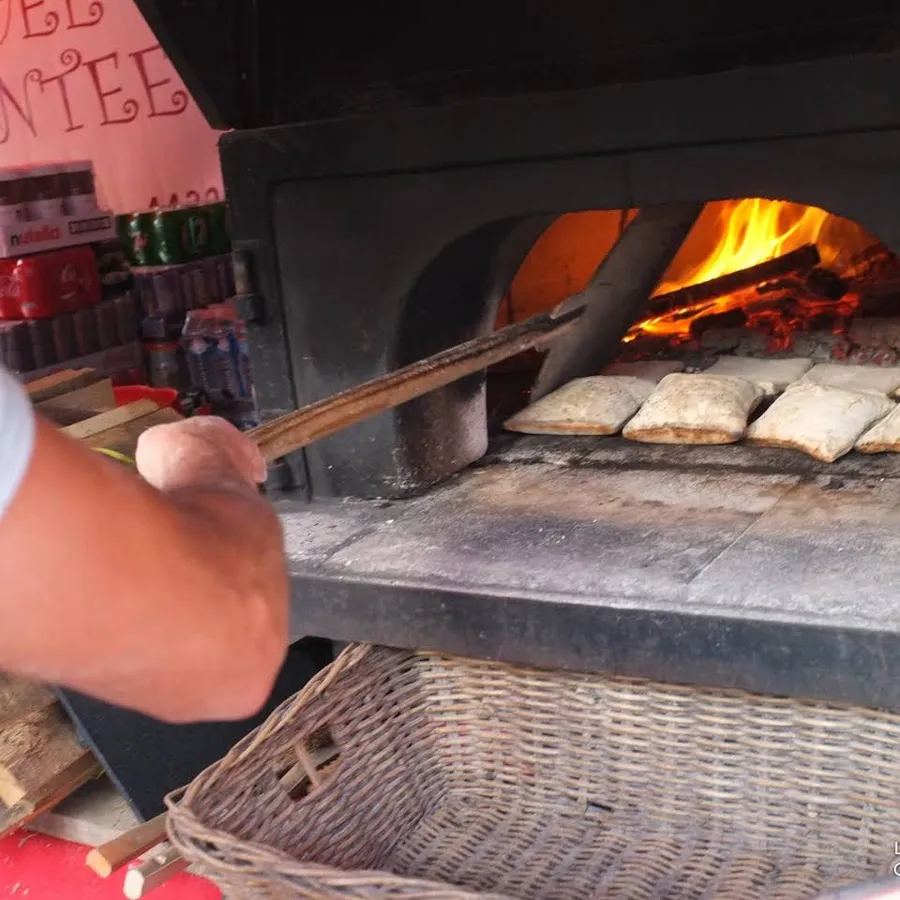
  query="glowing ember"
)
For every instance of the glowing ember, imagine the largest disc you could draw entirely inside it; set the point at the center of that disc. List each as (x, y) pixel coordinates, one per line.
(742, 234)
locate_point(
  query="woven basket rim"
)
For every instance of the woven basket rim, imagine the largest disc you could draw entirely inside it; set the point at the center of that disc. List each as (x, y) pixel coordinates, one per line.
(272, 860)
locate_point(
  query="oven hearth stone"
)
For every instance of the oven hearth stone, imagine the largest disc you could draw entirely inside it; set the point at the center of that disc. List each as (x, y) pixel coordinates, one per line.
(725, 566)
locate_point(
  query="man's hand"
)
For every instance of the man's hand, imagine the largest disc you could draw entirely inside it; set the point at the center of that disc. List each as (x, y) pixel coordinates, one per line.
(204, 451)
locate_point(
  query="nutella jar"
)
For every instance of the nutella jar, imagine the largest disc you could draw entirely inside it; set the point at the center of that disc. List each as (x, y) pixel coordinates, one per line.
(12, 196)
(45, 192)
(79, 189)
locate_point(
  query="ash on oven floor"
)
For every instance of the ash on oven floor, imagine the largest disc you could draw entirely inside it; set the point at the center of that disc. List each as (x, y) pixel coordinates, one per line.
(616, 452)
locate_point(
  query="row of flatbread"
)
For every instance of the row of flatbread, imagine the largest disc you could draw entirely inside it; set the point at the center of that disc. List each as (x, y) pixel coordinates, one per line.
(823, 410)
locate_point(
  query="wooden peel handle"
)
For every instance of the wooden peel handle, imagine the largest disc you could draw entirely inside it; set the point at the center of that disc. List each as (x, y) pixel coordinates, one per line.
(120, 851)
(327, 417)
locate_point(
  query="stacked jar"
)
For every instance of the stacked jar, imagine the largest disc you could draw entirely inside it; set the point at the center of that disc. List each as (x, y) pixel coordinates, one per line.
(79, 189)
(47, 191)
(13, 208)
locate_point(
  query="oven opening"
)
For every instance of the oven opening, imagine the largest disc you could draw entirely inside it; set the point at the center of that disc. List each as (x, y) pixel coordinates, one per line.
(795, 301)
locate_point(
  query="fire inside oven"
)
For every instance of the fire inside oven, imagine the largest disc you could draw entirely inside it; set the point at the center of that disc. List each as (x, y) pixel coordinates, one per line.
(797, 301)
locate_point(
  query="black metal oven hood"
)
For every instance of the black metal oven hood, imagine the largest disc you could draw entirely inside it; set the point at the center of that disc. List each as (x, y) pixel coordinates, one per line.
(258, 63)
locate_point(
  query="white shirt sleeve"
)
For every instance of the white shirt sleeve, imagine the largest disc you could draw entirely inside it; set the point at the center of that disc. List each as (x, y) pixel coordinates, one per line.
(16, 436)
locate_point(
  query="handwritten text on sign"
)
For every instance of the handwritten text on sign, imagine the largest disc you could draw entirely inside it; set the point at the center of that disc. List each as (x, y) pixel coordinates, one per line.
(78, 75)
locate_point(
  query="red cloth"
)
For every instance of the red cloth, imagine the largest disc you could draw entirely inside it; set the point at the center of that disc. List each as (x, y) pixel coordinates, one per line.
(34, 867)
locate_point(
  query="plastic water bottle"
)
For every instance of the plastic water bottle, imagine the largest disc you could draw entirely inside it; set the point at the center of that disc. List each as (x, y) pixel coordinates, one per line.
(226, 356)
(243, 358)
(200, 352)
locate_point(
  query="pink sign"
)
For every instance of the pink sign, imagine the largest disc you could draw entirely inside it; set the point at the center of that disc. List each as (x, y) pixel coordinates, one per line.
(87, 79)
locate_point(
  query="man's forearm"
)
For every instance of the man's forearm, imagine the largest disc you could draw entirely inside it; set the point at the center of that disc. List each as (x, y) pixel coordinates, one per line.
(232, 622)
(172, 601)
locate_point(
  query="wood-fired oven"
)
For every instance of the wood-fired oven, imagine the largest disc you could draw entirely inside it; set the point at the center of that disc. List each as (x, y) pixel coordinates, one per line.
(403, 177)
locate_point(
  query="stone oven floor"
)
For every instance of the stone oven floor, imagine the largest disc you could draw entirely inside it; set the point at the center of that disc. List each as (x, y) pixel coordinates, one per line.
(726, 566)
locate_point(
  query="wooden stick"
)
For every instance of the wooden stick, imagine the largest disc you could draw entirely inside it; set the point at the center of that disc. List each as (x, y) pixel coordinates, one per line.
(326, 417)
(112, 418)
(110, 857)
(153, 873)
(795, 262)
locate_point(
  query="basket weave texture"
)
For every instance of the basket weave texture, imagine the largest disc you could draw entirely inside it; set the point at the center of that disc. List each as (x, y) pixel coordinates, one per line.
(459, 779)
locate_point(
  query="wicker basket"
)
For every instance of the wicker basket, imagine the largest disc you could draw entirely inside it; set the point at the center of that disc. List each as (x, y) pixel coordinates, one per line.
(459, 779)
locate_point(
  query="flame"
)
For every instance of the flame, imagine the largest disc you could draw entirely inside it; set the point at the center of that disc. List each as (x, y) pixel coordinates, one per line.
(751, 231)
(743, 234)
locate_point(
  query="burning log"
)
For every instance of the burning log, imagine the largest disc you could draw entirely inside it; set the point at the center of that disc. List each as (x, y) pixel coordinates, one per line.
(826, 284)
(797, 263)
(875, 263)
(874, 275)
(789, 306)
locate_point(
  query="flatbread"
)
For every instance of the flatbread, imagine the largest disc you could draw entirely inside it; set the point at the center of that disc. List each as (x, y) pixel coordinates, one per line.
(695, 409)
(883, 436)
(600, 404)
(649, 369)
(773, 375)
(883, 379)
(821, 421)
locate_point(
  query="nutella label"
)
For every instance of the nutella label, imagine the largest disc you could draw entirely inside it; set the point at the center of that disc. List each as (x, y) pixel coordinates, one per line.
(53, 233)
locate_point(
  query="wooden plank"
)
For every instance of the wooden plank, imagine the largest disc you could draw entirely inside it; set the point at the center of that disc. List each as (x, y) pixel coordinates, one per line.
(82, 403)
(60, 383)
(37, 752)
(123, 438)
(19, 697)
(107, 420)
(41, 760)
(71, 780)
(103, 362)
